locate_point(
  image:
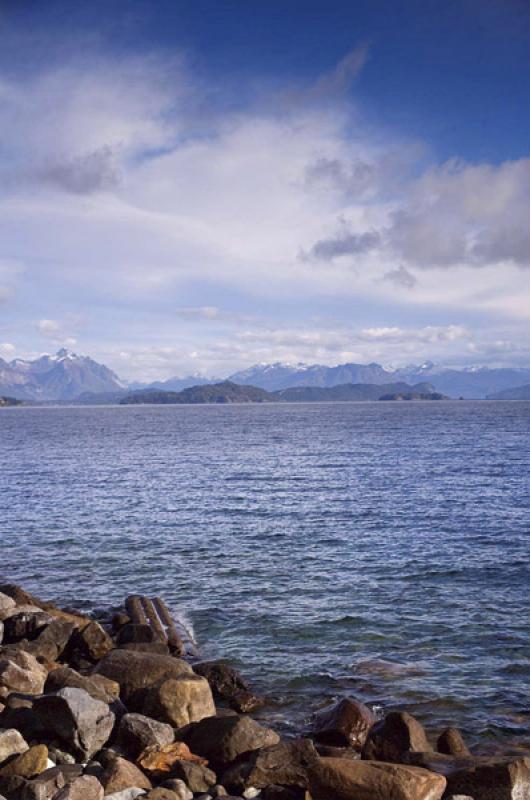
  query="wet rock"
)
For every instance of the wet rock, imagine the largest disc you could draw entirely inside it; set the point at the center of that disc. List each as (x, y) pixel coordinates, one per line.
(66, 677)
(179, 701)
(20, 596)
(135, 672)
(86, 787)
(28, 764)
(119, 620)
(342, 779)
(24, 625)
(136, 732)
(11, 744)
(344, 724)
(286, 763)
(481, 777)
(451, 742)
(198, 777)
(21, 672)
(51, 640)
(122, 774)
(228, 685)
(82, 723)
(158, 761)
(398, 733)
(222, 739)
(327, 751)
(135, 634)
(89, 644)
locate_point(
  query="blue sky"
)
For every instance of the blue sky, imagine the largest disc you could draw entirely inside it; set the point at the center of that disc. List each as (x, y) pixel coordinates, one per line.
(194, 187)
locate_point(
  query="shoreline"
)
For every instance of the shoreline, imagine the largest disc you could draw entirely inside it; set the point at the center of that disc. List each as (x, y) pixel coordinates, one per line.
(109, 705)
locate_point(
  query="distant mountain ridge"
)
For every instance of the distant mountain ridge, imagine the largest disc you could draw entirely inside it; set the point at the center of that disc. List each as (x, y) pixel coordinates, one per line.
(224, 392)
(57, 378)
(67, 377)
(516, 393)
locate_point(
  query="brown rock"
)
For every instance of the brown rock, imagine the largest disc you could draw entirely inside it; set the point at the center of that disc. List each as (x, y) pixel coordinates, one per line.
(344, 724)
(51, 640)
(343, 779)
(179, 701)
(24, 625)
(137, 732)
(21, 672)
(28, 764)
(86, 787)
(162, 794)
(7, 604)
(11, 744)
(121, 774)
(96, 686)
(90, 643)
(228, 685)
(483, 778)
(398, 733)
(135, 672)
(286, 763)
(451, 742)
(197, 776)
(45, 786)
(159, 760)
(221, 739)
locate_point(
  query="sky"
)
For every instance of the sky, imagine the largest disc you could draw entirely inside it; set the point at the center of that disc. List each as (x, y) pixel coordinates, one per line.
(194, 187)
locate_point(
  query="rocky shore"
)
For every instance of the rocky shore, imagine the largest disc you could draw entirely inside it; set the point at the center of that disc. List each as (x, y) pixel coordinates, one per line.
(112, 708)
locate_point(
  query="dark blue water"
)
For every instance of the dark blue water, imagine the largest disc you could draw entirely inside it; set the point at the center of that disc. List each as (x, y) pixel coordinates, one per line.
(378, 550)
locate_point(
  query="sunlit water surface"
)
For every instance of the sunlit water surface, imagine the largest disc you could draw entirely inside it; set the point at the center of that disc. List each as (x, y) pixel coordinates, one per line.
(309, 544)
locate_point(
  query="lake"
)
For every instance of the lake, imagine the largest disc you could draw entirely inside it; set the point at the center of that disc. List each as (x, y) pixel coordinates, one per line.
(378, 550)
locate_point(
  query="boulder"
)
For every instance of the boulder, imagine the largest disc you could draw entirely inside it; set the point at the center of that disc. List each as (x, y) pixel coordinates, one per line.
(159, 760)
(135, 672)
(11, 744)
(222, 739)
(126, 794)
(25, 625)
(344, 779)
(82, 723)
(20, 596)
(45, 786)
(481, 777)
(21, 672)
(96, 686)
(451, 742)
(89, 644)
(51, 640)
(344, 724)
(228, 685)
(179, 791)
(197, 777)
(28, 764)
(86, 787)
(398, 733)
(285, 763)
(179, 701)
(274, 792)
(7, 604)
(132, 633)
(122, 774)
(136, 732)
(156, 648)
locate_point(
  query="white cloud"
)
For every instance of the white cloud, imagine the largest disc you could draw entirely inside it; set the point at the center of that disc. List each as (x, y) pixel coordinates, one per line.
(133, 195)
(7, 350)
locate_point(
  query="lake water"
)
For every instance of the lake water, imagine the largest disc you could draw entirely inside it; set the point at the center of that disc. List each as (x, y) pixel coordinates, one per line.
(310, 544)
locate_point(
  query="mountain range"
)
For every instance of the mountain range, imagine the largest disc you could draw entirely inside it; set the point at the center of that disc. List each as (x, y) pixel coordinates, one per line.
(66, 377)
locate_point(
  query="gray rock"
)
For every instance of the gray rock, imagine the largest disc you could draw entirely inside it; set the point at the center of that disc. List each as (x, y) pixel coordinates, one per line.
(66, 677)
(126, 794)
(7, 604)
(21, 672)
(51, 640)
(86, 787)
(11, 744)
(83, 724)
(286, 763)
(180, 790)
(136, 732)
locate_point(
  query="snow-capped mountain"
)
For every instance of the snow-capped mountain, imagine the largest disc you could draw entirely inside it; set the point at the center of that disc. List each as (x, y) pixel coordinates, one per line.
(469, 382)
(61, 377)
(282, 376)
